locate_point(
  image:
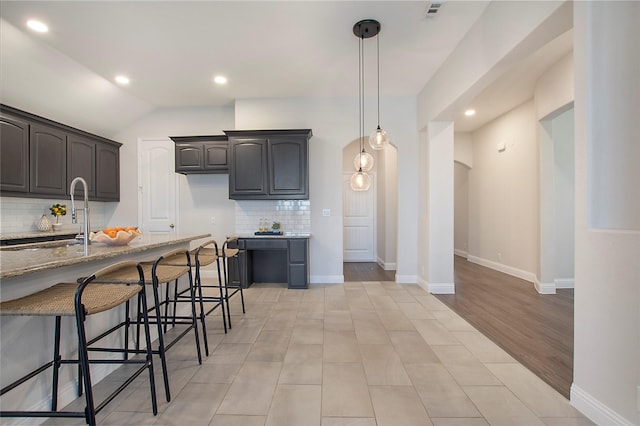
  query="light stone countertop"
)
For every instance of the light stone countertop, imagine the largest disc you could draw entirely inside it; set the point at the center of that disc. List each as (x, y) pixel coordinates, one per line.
(287, 235)
(14, 263)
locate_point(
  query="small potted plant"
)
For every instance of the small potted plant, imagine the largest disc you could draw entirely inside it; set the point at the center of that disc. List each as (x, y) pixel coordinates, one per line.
(58, 210)
(275, 226)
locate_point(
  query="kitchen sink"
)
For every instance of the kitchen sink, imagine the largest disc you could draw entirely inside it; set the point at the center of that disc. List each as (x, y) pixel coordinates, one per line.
(42, 245)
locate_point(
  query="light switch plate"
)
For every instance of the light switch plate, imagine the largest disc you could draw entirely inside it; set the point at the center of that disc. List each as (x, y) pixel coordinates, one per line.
(326, 212)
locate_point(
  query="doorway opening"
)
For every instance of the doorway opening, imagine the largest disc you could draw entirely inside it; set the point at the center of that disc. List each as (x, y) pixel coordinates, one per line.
(370, 217)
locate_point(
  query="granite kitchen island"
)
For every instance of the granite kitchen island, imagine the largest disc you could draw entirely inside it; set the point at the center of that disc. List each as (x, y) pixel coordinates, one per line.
(26, 342)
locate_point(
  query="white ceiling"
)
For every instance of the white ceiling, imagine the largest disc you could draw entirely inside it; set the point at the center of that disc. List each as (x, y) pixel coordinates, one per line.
(171, 51)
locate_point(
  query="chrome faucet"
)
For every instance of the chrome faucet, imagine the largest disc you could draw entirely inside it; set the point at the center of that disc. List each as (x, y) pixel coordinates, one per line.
(87, 220)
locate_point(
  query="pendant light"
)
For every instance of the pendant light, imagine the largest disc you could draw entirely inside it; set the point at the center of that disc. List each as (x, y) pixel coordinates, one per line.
(360, 180)
(378, 139)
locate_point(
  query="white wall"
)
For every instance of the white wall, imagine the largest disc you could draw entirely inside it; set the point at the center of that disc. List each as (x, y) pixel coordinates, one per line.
(503, 193)
(200, 197)
(564, 190)
(334, 125)
(460, 209)
(606, 383)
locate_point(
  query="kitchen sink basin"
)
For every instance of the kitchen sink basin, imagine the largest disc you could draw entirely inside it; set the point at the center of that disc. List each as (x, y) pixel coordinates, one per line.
(42, 245)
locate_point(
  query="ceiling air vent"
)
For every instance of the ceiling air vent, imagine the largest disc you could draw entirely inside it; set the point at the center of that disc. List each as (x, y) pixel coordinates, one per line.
(433, 9)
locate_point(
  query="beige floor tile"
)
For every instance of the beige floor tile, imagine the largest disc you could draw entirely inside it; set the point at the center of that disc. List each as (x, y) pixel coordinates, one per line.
(308, 332)
(311, 310)
(430, 302)
(364, 315)
(119, 418)
(535, 393)
(337, 320)
(348, 421)
(216, 373)
(411, 347)
(415, 310)
(335, 303)
(196, 404)
(252, 390)
(295, 405)
(229, 353)
(478, 421)
(244, 330)
(374, 288)
(227, 420)
(284, 319)
(383, 301)
(398, 406)
(302, 365)
(400, 296)
(434, 333)
(341, 346)
(358, 299)
(568, 421)
(270, 346)
(501, 407)
(383, 366)
(395, 320)
(344, 391)
(481, 347)
(464, 367)
(370, 332)
(439, 392)
(452, 321)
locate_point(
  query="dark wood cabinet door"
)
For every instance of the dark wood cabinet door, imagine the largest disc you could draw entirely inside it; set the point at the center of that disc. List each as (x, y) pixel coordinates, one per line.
(107, 172)
(189, 157)
(14, 155)
(216, 156)
(48, 156)
(81, 161)
(299, 263)
(288, 176)
(248, 168)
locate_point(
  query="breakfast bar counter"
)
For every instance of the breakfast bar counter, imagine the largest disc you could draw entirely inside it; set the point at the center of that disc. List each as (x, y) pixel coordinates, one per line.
(30, 258)
(25, 341)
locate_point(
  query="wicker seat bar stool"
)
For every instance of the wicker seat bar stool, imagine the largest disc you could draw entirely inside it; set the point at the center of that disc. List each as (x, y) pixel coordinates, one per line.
(81, 301)
(205, 255)
(230, 251)
(167, 268)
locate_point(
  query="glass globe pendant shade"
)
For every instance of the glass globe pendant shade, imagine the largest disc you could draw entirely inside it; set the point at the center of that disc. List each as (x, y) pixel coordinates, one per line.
(363, 161)
(360, 181)
(378, 139)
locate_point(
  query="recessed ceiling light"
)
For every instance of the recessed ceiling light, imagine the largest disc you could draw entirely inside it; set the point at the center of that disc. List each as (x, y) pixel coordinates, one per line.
(121, 79)
(37, 26)
(220, 79)
(470, 112)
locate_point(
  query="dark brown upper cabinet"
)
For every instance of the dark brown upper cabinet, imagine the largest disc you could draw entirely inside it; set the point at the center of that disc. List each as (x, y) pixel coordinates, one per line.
(14, 154)
(81, 161)
(41, 157)
(201, 154)
(48, 160)
(269, 164)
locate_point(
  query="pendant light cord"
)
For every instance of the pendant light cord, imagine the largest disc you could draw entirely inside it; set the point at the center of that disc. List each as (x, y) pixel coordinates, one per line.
(378, 56)
(361, 95)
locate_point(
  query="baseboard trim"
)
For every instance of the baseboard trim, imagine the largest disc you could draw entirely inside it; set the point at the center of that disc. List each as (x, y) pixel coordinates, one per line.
(406, 279)
(565, 282)
(326, 279)
(595, 410)
(544, 288)
(387, 266)
(510, 270)
(461, 253)
(442, 288)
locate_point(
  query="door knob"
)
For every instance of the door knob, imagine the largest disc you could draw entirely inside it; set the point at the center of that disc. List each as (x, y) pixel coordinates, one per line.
(171, 226)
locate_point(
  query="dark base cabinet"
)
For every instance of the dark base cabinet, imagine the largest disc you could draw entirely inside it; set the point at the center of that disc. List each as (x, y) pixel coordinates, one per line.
(272, 260)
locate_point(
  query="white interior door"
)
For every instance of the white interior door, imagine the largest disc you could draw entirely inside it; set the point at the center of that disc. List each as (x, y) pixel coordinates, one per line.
(157, 186)
(358, 222)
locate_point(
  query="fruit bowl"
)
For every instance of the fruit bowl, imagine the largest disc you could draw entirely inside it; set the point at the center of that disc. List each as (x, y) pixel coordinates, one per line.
(122, 237)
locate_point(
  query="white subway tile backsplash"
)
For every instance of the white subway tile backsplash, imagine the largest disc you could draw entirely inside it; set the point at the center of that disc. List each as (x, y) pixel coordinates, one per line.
(19, 215)
(293, 215)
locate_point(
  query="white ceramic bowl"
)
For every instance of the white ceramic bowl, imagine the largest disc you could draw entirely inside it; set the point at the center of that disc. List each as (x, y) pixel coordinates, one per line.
(122, 238)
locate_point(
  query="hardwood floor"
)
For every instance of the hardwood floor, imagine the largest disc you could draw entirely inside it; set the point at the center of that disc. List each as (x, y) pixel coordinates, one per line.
(366, 271)
(536, 329)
